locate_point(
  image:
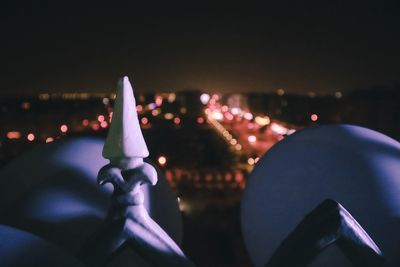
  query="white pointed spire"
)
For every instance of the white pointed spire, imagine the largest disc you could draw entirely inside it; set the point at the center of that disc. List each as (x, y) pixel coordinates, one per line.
(125, 140)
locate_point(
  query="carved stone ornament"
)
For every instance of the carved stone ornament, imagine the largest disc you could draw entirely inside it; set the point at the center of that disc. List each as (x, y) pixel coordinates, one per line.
(128, 223)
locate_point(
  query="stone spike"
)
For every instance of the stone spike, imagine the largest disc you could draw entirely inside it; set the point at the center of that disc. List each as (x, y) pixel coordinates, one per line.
(125, 139)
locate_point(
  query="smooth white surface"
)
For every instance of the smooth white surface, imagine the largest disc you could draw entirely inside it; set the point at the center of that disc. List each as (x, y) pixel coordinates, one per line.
(125, 139)
(355, 166)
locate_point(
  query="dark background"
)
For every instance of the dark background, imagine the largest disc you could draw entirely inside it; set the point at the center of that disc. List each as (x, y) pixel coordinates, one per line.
(61, 46)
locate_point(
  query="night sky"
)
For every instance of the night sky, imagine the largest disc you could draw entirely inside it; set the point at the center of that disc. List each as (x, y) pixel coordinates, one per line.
(86, 47)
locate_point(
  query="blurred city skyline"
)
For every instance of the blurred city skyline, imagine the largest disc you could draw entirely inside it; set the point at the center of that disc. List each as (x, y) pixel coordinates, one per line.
(302, 48)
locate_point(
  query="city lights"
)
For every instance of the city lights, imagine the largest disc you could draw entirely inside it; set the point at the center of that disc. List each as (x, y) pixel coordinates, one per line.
(204, 98)
(251, 161)
(158, 100)
(338, 94)
(162, 160)
(252, 138)
(228, 177)
(103, 124)
(278, 129)
(177, 120)
(217, 115)
(100, 118)
(239, 177)
(106, 100)
(26, 105)
(144, 120)
(30, 137)
(152, 106)
(14, 135)
(262, 121)
(215, 97)
(248, 116)
(171, 97)
(64, 128)
(95, 126)
(235, 111)
(236, 126)
(228, 116)
(280, 91)
(168, 116)
(44, 97)
(314, 117)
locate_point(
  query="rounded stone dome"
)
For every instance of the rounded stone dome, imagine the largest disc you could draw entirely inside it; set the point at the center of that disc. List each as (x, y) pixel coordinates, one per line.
(355, 166)
(52, 192)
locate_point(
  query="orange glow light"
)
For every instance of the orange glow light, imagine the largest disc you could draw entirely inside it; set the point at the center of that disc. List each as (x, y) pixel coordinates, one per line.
(262, 120)
(14, 135)
(239, 177)
(162, 160)
(251, 161)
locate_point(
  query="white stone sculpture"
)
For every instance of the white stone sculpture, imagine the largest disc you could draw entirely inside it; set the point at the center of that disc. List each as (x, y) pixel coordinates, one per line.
(128, 221)
(125, 145)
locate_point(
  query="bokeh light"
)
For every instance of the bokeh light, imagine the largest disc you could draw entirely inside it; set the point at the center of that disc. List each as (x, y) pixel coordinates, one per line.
(314, 117)
(162, 160)
(204, 98)
(64, 128)
(252, 138)
(30, 137)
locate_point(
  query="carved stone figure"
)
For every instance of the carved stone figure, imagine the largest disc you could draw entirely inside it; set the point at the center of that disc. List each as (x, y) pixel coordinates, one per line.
(128, 221)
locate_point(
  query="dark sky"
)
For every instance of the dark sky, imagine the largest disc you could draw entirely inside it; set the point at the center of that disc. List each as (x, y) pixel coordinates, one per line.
(301, 47)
